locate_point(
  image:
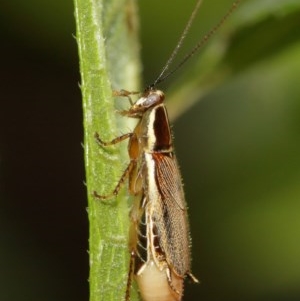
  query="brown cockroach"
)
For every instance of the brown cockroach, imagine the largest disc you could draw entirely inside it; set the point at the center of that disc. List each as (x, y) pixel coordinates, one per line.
(159, 240)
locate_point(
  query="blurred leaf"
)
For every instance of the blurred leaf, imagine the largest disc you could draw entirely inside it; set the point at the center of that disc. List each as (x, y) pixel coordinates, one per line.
(245, 40)
(263, 28)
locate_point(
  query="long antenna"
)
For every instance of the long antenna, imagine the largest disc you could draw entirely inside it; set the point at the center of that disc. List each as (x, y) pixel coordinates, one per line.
(179, 44)
(202, 42)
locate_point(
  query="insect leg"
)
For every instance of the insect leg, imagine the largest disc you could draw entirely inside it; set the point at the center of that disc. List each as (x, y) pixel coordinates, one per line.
(119, 185)
(129, 277)
(125, 93)
(112, 142)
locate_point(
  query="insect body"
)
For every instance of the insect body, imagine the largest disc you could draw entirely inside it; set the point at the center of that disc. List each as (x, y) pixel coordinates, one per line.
(159, 240)
(159, 234)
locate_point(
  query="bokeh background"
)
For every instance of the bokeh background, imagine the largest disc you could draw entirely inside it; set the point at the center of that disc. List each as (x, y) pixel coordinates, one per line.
(238, 148)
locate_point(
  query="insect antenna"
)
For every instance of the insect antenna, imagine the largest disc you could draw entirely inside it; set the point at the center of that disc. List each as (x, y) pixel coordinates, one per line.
(162, 76)
(178, 45)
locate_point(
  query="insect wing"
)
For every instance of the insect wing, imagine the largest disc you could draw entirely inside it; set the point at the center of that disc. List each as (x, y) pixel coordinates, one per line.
(171, 218)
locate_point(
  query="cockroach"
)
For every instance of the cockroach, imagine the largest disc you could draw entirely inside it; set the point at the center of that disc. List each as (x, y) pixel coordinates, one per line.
(159, 239)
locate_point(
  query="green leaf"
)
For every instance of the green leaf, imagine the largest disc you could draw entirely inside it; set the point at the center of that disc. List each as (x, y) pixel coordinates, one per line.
(108, 52)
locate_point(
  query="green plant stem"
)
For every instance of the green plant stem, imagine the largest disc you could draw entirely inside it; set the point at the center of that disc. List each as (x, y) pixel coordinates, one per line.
(108, 53)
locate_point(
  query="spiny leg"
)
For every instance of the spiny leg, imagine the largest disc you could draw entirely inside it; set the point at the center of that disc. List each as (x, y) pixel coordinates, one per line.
(125, 93)
(125, 173)
(112, 142)
(119, 185)
(129, 277)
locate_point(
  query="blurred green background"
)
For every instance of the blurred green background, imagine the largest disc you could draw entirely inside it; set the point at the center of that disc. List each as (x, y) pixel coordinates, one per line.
(238, 148)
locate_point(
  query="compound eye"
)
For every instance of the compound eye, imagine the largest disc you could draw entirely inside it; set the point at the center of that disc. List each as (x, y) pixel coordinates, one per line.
(153, 99)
